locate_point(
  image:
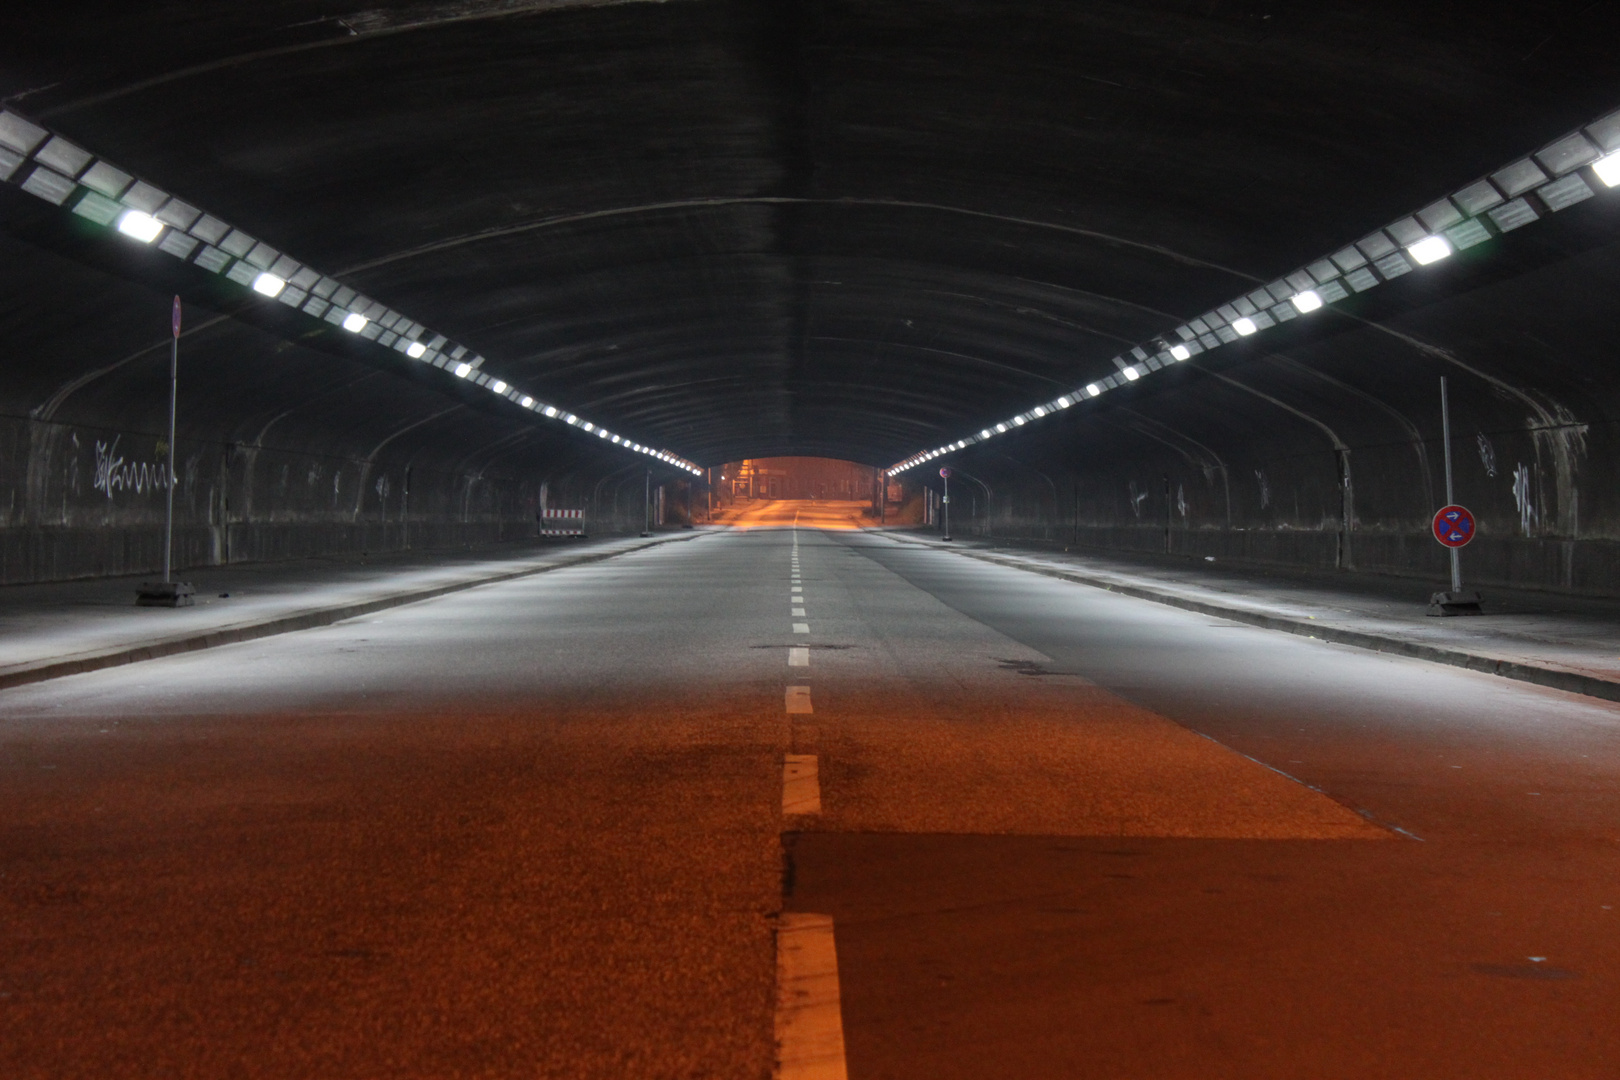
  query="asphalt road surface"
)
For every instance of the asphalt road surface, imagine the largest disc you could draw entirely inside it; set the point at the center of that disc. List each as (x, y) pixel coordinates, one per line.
(591, 823)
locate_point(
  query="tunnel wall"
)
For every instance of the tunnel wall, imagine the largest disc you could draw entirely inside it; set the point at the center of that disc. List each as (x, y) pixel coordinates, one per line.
(1325, 451)
(286, 449)
(86, 501)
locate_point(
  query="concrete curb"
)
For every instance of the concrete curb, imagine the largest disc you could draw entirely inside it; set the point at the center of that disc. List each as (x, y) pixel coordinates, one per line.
(286, 624)
(1573, 682)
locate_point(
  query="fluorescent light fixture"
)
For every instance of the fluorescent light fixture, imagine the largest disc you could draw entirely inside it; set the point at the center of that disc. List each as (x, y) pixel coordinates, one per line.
(498, 386)
(550, 410)
(269, 285)
(1018, 421)
(1307, 301)
(1131, 374)
(1001, 427)
(354, 322)
(1064, 402)
(1429, 249)
(139, 226)
(416, 350)
(1093, 389)
(1181, 352)
(602, 432)
(1608, 169)
(1040, 410)
(1244, 326)
(528, 402)
(985, 434)
(462, 370)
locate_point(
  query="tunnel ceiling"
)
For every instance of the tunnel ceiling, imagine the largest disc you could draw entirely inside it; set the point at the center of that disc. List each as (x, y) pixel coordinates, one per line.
(736, 230)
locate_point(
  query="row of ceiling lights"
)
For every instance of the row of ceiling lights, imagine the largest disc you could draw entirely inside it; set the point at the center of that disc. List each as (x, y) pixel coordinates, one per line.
(64, 174)
(1547, 181)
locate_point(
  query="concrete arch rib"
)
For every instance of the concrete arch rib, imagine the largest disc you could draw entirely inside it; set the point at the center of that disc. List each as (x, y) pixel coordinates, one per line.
(48, 408)
(1172, 434)
(1347, 491)
(1550, 425)
(785, 200)
(348, 34)
(370, 459)
(1419, 447)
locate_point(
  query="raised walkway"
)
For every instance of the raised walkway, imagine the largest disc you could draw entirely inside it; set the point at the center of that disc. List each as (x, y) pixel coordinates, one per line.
(1567, 642)
(69, 627)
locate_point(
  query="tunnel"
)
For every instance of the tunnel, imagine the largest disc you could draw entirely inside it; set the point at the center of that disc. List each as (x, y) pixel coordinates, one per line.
(809, 539)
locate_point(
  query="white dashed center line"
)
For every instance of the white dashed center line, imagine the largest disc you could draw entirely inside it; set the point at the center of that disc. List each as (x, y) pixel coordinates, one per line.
(801, 784)
(809, 1018)
(799, 611)
(798, 657)
(801, 628)
(798, 699)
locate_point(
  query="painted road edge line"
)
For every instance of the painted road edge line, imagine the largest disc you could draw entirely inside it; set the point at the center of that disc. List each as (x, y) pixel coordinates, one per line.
(809, 1015)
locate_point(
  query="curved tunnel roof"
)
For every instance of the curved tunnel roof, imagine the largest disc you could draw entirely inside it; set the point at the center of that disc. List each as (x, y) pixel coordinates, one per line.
(852, 230)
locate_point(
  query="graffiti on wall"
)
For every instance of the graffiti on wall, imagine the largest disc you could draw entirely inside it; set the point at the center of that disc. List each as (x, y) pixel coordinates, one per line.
(1487, 454)
(114, 474)
(1137, 498)
(1523, 499)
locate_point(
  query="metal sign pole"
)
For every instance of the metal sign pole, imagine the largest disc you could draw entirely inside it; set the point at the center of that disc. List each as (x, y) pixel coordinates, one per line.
(646, 506)
(174, 380)
(1445, 434)
(168, 592)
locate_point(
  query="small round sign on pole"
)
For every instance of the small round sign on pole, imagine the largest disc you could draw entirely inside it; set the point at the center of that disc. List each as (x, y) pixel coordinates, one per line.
(1453, 526)
(945, 473)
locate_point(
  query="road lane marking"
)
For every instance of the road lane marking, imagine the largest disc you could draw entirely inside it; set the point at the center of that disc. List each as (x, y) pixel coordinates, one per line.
(809, 1017)
(798, 699)
(801, 628)
(801, 784)
(799, 611)
(798, 656)
(798, 588)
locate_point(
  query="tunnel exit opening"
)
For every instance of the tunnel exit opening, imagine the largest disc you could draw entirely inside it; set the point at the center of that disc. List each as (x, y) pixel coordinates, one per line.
(830, 492)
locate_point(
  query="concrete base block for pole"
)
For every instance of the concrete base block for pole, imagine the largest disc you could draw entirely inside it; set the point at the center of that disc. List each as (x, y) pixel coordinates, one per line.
(1465, 602)
(165, 594)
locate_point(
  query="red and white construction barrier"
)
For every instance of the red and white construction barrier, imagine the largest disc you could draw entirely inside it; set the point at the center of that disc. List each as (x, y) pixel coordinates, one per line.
(576, 516)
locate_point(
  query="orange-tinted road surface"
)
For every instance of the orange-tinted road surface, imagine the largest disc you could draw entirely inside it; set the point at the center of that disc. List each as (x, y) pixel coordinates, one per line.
(1007, 826)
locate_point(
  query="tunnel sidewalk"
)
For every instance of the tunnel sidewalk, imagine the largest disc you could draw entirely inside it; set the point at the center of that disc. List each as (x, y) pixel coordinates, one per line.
(64, 628)
(1567, 642)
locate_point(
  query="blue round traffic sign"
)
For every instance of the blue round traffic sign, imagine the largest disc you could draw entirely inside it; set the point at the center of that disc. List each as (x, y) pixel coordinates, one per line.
(945, 472)
(1453, 526)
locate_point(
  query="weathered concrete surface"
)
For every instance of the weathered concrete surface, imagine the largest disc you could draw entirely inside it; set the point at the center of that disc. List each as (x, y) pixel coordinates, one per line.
(820, 228)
